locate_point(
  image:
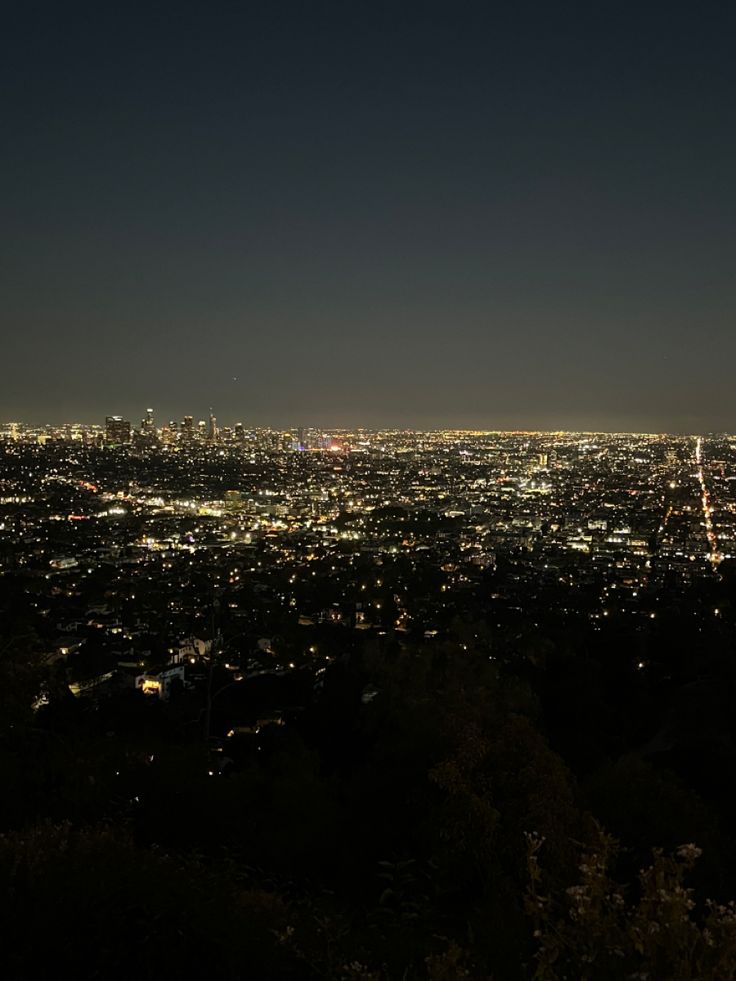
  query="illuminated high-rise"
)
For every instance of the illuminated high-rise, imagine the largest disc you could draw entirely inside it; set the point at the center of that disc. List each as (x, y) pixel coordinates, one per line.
(117, 431)
(148, 427)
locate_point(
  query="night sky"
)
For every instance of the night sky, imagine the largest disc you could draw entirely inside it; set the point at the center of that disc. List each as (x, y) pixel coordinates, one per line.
(491, 215)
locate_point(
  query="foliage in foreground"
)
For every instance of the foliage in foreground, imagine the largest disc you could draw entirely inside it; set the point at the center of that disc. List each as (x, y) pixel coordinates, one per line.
(599, 929)
(91, 904)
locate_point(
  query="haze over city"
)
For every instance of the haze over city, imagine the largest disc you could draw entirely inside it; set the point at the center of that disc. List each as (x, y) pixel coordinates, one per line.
(407, 214)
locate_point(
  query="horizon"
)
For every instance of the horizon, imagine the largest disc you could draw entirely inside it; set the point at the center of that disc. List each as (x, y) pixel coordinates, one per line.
(371, 213)
(469, 431)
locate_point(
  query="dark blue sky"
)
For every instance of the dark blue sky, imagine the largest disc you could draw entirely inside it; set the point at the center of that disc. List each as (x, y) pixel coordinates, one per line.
(414, 214)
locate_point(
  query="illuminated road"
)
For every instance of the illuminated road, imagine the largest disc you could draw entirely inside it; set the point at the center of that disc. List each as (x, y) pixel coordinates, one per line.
(714, 556)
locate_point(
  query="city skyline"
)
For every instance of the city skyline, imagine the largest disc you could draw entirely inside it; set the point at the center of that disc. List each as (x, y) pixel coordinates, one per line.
(234, 424)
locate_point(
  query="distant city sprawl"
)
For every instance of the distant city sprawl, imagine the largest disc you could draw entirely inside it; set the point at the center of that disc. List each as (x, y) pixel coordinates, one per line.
(367, 704)
(130, 537)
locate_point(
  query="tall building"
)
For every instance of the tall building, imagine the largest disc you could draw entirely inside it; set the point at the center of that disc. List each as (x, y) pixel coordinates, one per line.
(187, 430)
(239, 432)
(212, 431)
(117, 431)
(148, 427)
(169, 432)
(233, 500)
